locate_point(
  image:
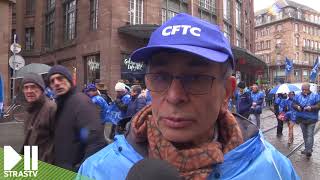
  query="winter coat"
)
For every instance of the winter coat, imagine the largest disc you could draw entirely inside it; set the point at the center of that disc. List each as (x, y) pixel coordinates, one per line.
(283, 105)
(311, 100)
(78, 131)
(135, 105)
(291, 113)
(39, 127)
(258, 99)
(102, 104)
(254, 158)
(244, 103)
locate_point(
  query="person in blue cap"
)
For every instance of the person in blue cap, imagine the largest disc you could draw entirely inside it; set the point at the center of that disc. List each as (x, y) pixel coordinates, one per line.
(92, 91)
(189, 74)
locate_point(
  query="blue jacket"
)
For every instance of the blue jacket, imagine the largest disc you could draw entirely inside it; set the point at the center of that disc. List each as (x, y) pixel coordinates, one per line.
(254, 158)
(244, 103)
(283, 105)
(148, 98)
(103, 105)
(135, 105)
(257, 98)
(304, 101)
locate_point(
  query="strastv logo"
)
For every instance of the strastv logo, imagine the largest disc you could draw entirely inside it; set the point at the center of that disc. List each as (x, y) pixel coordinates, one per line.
(12, 158)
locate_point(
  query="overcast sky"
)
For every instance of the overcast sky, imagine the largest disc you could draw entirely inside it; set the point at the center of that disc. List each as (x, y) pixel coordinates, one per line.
(261, 4)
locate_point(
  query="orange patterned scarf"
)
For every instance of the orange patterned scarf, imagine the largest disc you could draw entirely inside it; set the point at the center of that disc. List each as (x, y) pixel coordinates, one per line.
(192, 163)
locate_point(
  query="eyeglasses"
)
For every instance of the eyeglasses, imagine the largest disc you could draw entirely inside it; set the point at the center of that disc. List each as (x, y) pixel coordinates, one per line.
(192, 84)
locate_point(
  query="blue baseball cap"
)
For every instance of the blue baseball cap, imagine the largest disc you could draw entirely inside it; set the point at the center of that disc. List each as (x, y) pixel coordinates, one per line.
(189, 34)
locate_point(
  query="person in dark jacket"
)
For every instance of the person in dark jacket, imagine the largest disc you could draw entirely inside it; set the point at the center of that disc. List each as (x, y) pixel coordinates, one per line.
(277, 112)
(78, 131)
(39, 122)
(137, 101)
(243, 100)
(102, 91)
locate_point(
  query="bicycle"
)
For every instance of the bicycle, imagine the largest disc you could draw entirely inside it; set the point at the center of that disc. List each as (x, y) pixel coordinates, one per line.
(15, 111)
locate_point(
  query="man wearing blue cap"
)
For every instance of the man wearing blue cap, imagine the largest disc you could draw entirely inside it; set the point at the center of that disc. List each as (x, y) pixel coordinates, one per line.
(189, 67)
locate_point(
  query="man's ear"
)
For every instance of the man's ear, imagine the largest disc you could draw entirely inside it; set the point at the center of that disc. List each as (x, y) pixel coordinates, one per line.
(230, 86)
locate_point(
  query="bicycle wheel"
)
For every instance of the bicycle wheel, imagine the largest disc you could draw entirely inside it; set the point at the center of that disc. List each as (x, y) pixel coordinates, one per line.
(19, 113)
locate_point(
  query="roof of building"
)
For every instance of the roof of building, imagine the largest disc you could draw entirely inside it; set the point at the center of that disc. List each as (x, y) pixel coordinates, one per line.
(291, 4)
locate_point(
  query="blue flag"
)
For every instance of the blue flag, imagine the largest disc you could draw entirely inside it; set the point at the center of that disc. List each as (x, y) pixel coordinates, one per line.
(289, 66)
(314, 70)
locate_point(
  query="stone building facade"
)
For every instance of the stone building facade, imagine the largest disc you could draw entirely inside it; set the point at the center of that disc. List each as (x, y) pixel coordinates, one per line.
(293, 33)
(6, 7)
(94, 38)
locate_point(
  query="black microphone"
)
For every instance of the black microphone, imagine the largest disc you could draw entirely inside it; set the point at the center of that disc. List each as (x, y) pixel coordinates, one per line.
(153, 169)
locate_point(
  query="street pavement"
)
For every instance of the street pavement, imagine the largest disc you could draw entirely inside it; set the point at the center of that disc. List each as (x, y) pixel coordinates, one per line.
(11, 133)
(307, 168)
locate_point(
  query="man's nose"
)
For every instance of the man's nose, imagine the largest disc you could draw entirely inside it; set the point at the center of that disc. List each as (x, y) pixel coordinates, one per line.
(176, 93)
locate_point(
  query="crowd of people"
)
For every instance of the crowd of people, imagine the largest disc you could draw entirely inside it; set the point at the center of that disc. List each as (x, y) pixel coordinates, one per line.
(186, 123)
(289, 109)
(68, 125)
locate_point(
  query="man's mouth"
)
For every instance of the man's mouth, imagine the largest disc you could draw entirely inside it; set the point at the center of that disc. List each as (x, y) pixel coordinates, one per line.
(173, 122)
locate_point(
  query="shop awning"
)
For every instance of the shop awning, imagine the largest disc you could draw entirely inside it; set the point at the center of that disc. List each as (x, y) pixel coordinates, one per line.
(142, 31)
(241, 54)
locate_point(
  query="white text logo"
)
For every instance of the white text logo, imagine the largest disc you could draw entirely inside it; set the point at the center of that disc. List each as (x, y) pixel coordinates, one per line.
(183, 29)
(12, 158)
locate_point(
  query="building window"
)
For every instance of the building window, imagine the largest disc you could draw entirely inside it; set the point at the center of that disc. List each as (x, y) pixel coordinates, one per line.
(226, 10)
(297, 56)
(311, 44)
(257, 46)
(170, 8)
(30, 6)
(316, 45)
(304, 28)
(70, 20)
(268, 31)
(49, 32)
(136, 11)
(308, 43)
(238, 15)
(29, 39)
(226, 30)
(278, 27)
(297, 41)
(304, 42)
(94, 6)
(278, 43)
(268, 44)
(207, 10)
(209, 5)
(239, 39)
(132, 72)
(92, 68)
(296, 27)
(207, 16)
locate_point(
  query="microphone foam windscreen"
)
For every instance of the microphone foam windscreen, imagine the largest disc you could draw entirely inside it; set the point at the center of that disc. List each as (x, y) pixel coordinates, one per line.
(153, 169)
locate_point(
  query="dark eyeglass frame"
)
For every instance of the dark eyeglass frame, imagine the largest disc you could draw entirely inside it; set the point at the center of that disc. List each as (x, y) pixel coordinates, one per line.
(183, 80)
